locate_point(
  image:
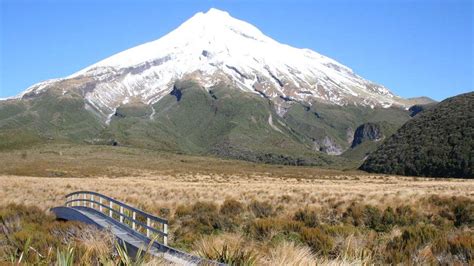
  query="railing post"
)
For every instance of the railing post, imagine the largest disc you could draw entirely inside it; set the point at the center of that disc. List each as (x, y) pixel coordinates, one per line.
(148, 229)
(165, 237)
(133, 221)
(131, 213)
(67, 204)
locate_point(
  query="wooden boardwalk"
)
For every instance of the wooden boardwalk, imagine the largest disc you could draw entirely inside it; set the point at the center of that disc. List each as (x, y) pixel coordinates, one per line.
(133, 228)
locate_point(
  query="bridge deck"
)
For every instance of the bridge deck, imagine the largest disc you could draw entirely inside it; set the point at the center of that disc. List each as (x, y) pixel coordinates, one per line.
(126, 235)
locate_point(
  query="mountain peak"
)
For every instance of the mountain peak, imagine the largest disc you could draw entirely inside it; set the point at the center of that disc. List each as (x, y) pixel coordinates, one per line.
(217, 12)
(212, 14)
(214, 47)
(216, 24)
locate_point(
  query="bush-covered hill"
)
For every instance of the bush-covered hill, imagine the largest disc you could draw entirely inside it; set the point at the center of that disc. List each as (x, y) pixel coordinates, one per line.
(438, 142)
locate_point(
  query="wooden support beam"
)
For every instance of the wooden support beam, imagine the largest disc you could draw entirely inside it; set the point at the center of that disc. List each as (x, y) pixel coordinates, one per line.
(134, 214)
(165, 237)
(148, 224)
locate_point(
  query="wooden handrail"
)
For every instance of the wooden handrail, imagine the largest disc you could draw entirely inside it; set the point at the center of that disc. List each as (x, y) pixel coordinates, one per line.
(153, 217)
(120, 214)
(97, 202)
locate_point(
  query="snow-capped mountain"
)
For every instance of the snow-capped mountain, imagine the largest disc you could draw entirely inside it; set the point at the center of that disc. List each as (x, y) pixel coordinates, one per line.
(212, 48)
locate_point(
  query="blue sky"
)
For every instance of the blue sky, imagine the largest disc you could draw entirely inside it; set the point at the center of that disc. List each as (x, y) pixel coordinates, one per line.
(413, 47)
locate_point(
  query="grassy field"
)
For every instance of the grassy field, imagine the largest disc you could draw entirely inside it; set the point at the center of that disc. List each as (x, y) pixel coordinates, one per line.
(258, 214)
(69, 160)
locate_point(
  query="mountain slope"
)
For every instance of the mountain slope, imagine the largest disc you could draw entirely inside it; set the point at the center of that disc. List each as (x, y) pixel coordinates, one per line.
(50, 116)
(437, 142)
(214, 47)
(222, 121)
(215, 85)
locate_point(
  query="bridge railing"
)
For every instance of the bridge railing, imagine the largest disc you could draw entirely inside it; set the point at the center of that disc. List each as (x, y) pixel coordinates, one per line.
(141, 222)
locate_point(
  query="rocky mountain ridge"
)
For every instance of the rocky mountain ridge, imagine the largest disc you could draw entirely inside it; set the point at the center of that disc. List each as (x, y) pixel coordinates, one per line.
(212, 48)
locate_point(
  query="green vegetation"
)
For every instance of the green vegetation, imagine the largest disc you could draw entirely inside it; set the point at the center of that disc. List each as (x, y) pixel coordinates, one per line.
(30, 236)
(429, 231)
(228, 123)
(228, 253)
(339, 123)
(438, 142)
(222, 121)
(363, 144)
(47, 117)
(419, 108)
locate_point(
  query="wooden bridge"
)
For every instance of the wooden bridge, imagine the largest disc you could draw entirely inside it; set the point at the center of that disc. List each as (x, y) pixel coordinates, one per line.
(132, 227)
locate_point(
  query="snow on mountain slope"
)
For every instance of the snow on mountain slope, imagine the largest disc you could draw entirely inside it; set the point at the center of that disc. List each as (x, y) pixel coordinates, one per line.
(214, 47)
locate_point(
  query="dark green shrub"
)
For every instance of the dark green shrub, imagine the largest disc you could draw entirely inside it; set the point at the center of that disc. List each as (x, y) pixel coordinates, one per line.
(266, 227)
(343, 230)
(354, 214)
(405, 215)
(290, 226)
(205, 218)
(464, 214)
(318, 240)
(365, 215)
(262, 228)
(204, 207)
(402, 248)
(462, 246)
(373, 218)
(231, 207)
(182, 211)
(308, 217)
(460, 210)
(164, 212)
(388, 217)
(261, 209)
(202, 218)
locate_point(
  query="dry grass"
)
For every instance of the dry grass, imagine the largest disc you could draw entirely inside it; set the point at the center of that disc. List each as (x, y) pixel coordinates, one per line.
(67, 160)
(155, 180)
(156, 192)
(162, 183)
(289, 253)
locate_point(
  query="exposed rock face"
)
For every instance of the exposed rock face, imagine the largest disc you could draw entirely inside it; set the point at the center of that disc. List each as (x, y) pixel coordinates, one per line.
(328, 146)
(367, 131)
(415, 109)
(349, 135)
(418, 108)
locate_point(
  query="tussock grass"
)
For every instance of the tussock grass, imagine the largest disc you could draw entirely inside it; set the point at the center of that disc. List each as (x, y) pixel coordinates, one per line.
(215, 206)
(289, 253)
(226, 248)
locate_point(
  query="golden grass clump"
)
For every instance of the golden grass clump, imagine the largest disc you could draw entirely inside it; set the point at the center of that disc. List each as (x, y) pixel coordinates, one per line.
(291, 254)
(226, 248)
